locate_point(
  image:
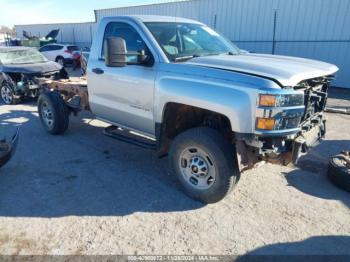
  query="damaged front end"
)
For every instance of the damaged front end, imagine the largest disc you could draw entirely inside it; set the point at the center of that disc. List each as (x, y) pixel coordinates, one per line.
(287, 126)
(8, 148)
(20, 70)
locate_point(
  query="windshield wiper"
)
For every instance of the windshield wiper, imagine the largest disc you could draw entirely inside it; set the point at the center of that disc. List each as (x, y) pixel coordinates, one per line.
(185, 58)
(227, 53)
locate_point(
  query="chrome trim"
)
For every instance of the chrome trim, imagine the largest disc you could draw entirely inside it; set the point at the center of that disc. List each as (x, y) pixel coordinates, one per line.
(285, 112)
(277, 133)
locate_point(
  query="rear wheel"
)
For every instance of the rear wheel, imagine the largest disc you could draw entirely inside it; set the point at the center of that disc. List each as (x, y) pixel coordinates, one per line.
(53, 112)
(204, 163)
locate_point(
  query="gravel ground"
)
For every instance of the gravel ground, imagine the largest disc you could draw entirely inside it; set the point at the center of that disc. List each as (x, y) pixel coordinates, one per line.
(84, 193)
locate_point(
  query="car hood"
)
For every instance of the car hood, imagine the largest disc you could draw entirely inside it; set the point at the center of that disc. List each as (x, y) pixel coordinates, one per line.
(288, 71)
(33, 69)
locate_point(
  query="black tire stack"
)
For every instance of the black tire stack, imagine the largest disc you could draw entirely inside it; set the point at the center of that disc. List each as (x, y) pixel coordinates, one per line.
(339, 170)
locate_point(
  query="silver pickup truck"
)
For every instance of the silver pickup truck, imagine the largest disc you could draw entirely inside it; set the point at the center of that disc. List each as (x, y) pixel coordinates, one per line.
(177, 86)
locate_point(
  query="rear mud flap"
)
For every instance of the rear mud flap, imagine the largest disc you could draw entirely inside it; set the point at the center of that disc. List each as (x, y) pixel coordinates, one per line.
(7, 149)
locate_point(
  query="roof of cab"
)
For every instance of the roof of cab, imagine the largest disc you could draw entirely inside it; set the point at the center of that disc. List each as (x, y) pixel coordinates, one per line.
(155, 18)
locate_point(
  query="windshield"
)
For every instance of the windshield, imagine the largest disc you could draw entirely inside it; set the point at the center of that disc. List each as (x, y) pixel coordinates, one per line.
(29, 56)
(181, 41)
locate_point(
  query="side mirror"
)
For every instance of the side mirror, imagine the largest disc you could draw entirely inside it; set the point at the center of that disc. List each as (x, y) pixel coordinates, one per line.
(115, 52)
(142, 58)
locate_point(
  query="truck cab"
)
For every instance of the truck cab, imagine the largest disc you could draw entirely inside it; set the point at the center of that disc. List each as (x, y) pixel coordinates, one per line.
(214, 110)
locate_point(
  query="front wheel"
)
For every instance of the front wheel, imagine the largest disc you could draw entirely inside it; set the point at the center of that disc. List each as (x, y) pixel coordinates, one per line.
(8, 95)
(53, 112)
(205, 164)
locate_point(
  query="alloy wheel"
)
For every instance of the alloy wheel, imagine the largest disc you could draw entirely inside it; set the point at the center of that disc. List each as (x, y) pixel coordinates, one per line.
(7, 95)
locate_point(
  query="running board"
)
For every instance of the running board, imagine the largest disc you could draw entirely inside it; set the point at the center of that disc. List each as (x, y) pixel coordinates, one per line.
(129, 137)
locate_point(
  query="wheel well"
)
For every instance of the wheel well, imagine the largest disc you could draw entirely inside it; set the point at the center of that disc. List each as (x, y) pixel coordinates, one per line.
(10, 78)
(178, 118)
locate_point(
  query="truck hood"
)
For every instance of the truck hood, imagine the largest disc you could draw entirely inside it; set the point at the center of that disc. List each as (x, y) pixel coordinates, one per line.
(288, 71)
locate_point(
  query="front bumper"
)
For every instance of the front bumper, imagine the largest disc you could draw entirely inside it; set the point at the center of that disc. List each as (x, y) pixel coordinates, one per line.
(308, 139)
(281, 149)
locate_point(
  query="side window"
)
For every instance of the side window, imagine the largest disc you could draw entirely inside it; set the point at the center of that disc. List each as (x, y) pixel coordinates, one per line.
(50, 48)
(134, 42)
(56, 47)
(44, 48)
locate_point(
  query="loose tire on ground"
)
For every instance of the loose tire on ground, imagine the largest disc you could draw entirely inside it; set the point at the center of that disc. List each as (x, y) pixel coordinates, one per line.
(338, 173)
(53, 112)
(205, 164)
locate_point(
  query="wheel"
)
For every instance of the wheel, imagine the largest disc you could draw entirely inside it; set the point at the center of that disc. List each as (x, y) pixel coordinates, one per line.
(339, 173)
(60, 60)
(53, 112)
(7, 95)
(204, 163)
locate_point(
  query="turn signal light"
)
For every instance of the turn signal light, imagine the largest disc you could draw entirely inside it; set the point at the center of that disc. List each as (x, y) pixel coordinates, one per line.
(267, 100)
(265, 123)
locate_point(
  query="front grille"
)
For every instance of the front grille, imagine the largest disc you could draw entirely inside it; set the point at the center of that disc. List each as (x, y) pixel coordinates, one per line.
(316, 93)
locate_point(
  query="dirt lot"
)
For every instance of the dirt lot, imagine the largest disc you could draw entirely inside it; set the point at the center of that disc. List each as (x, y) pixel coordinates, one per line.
(84, 193)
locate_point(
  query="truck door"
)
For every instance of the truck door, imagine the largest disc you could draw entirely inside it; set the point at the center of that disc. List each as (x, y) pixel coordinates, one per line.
(124, 95)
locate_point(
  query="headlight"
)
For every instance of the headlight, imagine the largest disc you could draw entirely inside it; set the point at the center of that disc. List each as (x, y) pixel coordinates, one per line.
(279, 112)
(267, 100)
(281, 100)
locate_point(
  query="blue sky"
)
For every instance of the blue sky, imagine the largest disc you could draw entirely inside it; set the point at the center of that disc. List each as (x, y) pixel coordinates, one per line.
(51, 11)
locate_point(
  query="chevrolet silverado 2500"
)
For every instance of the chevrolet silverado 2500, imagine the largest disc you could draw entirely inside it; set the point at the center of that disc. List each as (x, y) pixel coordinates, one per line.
(179, 87)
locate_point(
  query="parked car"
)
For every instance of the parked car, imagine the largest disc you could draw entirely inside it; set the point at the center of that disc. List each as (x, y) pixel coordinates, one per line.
(84, 61)
(62, 54)
(178, 87)
(20, 69)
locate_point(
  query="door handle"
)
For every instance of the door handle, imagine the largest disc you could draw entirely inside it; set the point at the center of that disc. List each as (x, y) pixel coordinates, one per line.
(98, 71)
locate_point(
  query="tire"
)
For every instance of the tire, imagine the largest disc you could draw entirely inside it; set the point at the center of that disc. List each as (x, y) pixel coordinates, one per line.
(339, 174)
(7, 94)
(204, 155)
(60, 60)
(53, 112)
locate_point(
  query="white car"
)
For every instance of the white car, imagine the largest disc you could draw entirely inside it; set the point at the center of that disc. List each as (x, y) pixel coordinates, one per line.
(59, 53)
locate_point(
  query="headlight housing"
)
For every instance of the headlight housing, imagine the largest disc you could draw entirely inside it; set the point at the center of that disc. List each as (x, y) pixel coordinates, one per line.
(281, 100)
(279, 112)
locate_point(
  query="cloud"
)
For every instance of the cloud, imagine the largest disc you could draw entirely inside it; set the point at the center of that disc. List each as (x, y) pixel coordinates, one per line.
(17, 12)
(28, 12)
(23, 13)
